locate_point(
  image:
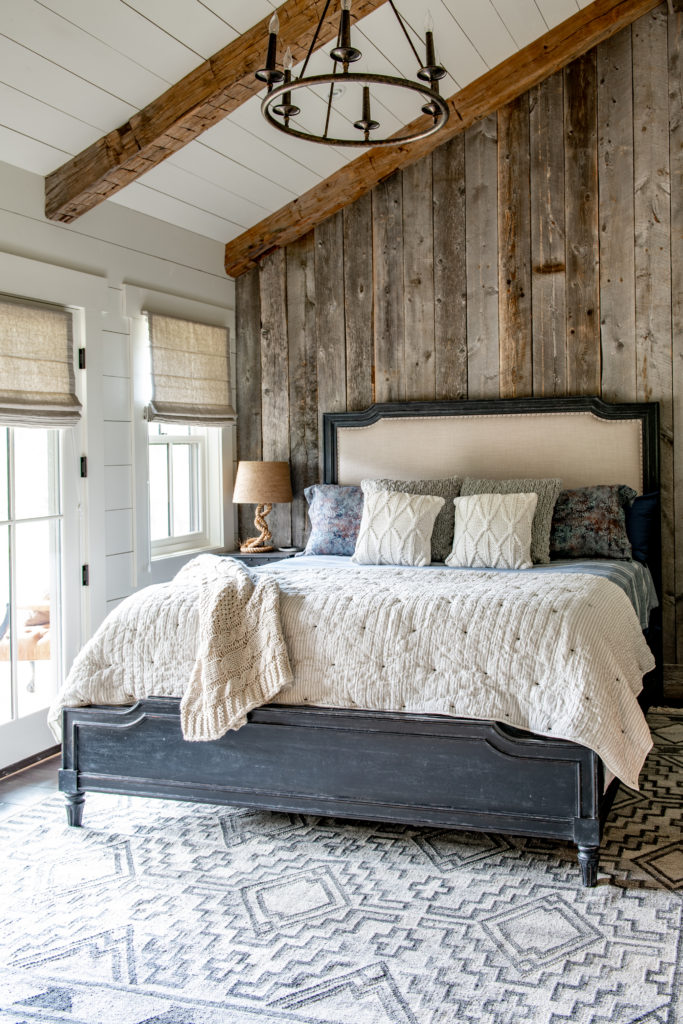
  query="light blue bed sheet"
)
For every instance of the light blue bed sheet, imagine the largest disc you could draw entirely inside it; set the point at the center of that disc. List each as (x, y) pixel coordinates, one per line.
(634, 578)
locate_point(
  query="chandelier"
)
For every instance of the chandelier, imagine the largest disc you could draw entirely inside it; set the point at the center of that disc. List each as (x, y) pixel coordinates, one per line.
(279, 110)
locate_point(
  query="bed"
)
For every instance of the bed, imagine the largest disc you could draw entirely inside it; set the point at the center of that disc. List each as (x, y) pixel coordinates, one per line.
(395, 765)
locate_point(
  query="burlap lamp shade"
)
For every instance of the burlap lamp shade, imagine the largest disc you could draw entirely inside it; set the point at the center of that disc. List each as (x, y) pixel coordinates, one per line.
(262, 484)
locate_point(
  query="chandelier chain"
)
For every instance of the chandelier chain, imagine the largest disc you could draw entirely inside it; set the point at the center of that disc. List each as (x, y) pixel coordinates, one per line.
(315, 38)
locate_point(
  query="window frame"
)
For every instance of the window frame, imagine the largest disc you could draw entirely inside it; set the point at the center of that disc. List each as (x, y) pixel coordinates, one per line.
(56, 520)
(152, 563)
(85, 296)
(209, 487)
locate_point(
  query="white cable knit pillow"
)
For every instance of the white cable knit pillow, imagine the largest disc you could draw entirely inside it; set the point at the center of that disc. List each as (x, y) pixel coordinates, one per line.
(493, 531)
(396, 528)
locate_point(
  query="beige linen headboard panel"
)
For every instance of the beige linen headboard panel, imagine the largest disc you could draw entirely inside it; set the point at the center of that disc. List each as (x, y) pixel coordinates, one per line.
(578, 447)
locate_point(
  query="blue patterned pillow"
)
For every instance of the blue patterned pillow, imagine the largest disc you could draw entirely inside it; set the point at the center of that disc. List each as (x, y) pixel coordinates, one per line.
(335, 514)
(590, 522)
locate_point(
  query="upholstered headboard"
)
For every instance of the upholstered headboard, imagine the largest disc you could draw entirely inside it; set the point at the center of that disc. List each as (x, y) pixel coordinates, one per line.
(582, 440)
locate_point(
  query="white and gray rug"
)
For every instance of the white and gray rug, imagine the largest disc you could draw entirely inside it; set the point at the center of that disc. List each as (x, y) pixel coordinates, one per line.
(168, 913)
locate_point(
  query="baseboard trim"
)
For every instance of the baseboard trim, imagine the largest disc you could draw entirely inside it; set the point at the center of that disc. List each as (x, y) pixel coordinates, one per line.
(12, 769)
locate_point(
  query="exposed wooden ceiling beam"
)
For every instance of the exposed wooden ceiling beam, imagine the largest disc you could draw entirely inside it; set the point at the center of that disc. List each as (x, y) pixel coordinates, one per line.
(197, 102)
(505, 82)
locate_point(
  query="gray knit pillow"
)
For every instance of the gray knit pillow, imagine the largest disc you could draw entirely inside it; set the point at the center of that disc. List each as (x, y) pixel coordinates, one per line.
(547, 491)
(442, 535)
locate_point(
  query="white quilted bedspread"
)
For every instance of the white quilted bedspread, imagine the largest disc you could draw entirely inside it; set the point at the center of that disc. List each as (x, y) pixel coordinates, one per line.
(561, 655)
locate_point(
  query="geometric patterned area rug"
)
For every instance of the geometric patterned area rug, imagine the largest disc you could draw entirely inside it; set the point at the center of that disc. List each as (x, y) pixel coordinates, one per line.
(170, 913)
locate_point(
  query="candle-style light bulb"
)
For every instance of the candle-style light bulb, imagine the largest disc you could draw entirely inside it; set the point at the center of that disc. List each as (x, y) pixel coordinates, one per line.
(285, 108)
(431, 72)
(429, 40)
(344, 52)
(270, 73)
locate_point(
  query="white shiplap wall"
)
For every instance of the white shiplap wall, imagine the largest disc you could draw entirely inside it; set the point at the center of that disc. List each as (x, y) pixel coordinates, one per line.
(124, 248)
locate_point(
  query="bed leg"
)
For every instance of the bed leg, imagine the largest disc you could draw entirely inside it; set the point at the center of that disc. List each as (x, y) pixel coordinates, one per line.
(74, 808)
(589, 858)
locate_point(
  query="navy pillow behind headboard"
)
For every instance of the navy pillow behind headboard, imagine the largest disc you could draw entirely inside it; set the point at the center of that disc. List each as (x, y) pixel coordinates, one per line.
(642, 516)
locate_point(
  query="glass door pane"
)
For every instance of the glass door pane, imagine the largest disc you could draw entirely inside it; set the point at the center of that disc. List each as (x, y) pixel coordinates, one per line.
(4, 477)
(37, 561)
(5, 662)
(36, 473)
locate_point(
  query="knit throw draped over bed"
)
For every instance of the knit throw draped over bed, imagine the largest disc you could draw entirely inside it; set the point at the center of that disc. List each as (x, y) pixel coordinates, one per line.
(562, 656)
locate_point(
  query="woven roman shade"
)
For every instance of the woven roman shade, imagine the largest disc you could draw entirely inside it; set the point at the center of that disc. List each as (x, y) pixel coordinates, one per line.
(190, 373)
(37, 380)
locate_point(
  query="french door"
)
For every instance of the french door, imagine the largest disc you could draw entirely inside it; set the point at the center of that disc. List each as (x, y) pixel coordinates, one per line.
(39, 600)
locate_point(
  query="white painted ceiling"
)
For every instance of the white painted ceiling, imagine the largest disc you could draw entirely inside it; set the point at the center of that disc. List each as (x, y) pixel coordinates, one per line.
(72, 70)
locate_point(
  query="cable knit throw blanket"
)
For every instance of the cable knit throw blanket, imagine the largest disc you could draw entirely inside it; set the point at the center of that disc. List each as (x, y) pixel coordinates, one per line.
(560, 655)
(212, 625)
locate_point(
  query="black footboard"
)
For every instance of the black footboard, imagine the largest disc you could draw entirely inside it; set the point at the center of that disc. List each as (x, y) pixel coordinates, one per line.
(425, 770)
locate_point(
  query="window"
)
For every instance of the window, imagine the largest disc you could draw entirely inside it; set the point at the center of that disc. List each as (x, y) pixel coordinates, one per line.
(189, 405)
(31, 537)
(183, 432)
(184, 487)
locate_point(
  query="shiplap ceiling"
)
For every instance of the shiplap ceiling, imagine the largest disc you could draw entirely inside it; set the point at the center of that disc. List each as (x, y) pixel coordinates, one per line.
(72, 70)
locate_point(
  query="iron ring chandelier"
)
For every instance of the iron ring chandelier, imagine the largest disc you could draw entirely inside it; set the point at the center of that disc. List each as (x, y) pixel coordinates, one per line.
(279, 110)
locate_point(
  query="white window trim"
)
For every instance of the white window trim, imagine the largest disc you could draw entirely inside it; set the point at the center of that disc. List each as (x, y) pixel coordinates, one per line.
(211, 486)
(151, 568)
(86, 296)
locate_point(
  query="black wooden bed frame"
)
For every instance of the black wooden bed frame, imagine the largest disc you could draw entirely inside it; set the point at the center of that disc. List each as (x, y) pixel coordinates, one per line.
(422, 769)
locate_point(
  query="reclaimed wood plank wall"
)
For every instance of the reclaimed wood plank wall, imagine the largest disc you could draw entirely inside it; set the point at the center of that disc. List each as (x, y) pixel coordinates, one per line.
(540, 253)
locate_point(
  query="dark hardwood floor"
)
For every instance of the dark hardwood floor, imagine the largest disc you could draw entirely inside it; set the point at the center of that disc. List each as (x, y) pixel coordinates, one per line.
(29, 785)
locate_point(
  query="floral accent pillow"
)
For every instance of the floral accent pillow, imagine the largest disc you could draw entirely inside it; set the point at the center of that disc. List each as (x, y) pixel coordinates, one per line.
(335, 513)
(590, 522)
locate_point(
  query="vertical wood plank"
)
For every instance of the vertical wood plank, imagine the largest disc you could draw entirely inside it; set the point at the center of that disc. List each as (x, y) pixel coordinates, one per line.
(676, 150)
(514, 250)
(481, 190)
(387, 274)
(450, 270)
(548, 267)
(582, 239)
(418, 280)
(617, 252)
(303, 380)
(275, 380)
(358, 302)
(329, 319)
(653, 269)
(248, 383)
(605, 265)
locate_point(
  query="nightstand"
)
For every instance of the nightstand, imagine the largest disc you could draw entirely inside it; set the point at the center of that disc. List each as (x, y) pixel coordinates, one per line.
(264, 559)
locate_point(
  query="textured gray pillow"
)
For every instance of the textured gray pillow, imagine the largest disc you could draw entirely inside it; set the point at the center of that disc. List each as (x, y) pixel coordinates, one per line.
(547, 491)
(442, 535)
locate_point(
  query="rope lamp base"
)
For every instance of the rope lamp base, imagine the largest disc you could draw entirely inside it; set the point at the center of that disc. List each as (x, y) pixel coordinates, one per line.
(259, 545)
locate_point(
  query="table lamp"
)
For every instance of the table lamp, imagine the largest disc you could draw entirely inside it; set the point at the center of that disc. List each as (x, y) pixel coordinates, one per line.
(261, 484)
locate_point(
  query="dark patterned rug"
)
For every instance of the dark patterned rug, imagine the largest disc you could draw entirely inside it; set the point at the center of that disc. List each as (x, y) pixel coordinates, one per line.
(168, 913)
